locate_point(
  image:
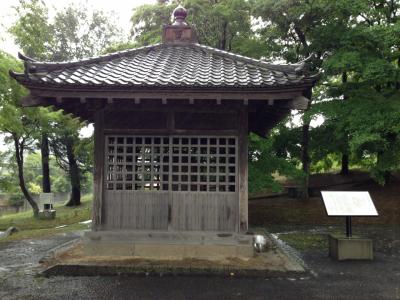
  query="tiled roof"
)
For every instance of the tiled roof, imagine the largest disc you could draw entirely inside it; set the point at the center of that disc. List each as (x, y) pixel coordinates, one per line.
(185, 65)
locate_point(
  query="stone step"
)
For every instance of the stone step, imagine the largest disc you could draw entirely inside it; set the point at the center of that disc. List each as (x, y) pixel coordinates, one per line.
(168, 245)
(172, 237)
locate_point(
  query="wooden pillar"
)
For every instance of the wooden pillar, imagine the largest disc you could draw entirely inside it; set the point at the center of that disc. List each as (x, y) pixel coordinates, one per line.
(243, 170)
(98, 176)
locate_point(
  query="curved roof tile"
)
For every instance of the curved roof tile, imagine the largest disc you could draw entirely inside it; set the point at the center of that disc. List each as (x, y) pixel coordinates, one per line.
(166, 65)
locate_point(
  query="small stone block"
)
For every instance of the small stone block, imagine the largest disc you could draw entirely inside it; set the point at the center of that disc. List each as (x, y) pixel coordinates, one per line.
(47, 214)
(344, 248)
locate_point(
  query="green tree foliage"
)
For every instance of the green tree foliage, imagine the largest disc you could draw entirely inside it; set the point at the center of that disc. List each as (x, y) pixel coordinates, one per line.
(32, 32)
(119, 47)
(73, 33)
(73, 154)
(33, 174)
(9, 183)
(147, 22)
(358, 93)
(287, 27)
(77, 33)
(223, 24)
(265, 163)
(18, 124)
(365, 107)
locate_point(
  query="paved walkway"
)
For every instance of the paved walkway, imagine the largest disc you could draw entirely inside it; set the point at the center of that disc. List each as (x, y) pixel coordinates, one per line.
(379, 279)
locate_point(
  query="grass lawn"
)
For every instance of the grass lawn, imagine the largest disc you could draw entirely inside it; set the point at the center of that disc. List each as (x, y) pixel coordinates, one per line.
(30, 227)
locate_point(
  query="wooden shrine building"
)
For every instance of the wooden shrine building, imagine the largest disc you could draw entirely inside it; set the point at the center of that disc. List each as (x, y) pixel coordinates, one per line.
(171, 125)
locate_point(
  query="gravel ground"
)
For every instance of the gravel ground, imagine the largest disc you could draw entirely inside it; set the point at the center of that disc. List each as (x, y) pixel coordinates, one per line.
(327, 279)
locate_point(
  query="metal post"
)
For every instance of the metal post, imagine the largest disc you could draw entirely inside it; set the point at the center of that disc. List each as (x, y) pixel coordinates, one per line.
(348, 226)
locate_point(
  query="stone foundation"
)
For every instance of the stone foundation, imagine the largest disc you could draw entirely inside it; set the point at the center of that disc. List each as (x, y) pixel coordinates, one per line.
(47, 214)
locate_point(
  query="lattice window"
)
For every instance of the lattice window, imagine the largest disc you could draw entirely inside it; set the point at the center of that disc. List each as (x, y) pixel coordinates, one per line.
(177, 163)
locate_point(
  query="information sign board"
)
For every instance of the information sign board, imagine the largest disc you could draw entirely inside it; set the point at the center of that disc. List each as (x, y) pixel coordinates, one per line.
(348, 204)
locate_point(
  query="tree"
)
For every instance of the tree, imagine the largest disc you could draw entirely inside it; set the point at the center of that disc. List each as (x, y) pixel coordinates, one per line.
(147, 22)
(363, 69)
(33, 173)
(77, 33)
(74, 33)
(17, 123)
(72, 154)
(288, 29)
(32, 31)
(265, 161)
(34, 34)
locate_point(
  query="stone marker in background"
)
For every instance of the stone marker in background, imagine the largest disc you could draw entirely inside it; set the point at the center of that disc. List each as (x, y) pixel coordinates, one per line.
(46, 210)
(349, 204)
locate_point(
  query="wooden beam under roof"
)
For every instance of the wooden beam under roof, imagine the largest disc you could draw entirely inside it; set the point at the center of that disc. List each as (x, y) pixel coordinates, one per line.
(254, 96)
(288, 100)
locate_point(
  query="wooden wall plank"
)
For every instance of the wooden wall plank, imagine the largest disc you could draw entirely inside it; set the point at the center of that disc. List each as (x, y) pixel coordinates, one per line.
(144, 210)
(243, 170)
(98, 176)
(204, 211)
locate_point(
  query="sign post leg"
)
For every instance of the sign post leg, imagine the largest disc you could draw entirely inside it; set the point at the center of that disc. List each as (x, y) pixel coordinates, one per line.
(348, 227)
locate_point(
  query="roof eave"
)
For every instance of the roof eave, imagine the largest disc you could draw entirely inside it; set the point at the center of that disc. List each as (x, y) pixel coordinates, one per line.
(160, 88)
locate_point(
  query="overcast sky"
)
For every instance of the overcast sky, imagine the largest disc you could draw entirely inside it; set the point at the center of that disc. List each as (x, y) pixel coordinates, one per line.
(122, 10)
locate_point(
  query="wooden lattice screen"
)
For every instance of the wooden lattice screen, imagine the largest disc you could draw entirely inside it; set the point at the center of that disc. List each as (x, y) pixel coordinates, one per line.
(174, 163)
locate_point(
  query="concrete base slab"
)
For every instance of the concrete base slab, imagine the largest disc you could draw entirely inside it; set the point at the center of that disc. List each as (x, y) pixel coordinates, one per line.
(344, 248)
(73, 262)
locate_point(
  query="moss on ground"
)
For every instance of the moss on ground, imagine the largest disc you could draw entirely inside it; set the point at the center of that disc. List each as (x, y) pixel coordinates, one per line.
(305, 241)
(30, 227)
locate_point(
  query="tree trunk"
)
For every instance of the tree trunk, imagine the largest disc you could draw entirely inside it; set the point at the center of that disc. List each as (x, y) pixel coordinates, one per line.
(398, 81)
(345, 164)
(345, 153)
(74, 175)
(387, 176)
(222, 42)
(305, 158)
(19, 155)
(44, 148)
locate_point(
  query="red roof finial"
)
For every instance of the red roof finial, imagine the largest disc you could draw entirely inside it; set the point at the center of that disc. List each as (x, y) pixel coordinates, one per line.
(179, 14)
